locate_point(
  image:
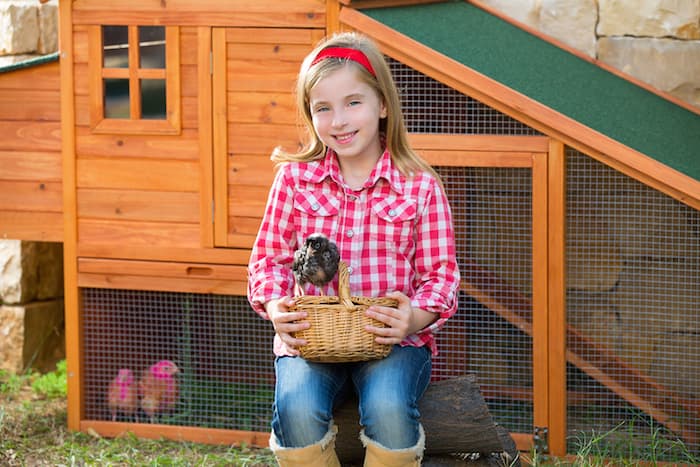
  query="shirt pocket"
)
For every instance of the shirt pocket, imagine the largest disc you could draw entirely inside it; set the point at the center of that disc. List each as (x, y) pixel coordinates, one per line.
(315, 212)
(393, 221)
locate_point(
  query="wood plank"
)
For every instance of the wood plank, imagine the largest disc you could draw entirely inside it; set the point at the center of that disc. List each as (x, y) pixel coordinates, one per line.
(250, 75)
(75, 400)
(205, 115)
(188, 46)
(198, 15)
(231, 6)
(250, 169)
(177, 433)
(540, 309)
(220, 136)
(31, 196)
(138, 174)
(156, 234)
(30, 104)
(23, 165)
(30, 136)
(247, 201)
(81, 79)
(32, 226)
(167, 284)
(80, 44)
(441, 157)
(281, 52)
(184, 147)
(556, 283)
(248, 138)
(495, 143)
(161, 206)
(262, 107)
(189, 84)
(244, 35)
(199, 254)
(44, 77)
(162, 269)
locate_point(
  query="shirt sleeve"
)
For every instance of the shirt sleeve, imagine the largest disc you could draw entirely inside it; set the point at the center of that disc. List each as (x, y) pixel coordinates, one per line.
(269, 269)
(437, 272)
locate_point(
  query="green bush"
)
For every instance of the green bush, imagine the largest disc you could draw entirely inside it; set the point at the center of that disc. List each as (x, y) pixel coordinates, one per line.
(54, 384)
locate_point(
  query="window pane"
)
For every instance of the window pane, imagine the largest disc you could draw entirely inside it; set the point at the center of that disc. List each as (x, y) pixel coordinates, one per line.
(116, 98)
(152, 46)
(115, 43)
(153, 99)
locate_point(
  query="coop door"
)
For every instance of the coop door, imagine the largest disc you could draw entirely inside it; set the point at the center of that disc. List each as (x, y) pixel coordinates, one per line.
(254, 71)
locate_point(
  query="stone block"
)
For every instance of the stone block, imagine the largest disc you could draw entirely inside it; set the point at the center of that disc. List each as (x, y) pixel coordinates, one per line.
(650, 18)
(558, 18)
(48, 27)
(658, 296)
(32, 336)
(19, 22)
(669, 65)
(676, 362)
(30, 271)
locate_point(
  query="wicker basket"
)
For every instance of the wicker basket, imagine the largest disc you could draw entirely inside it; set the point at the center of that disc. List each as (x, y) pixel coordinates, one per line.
(337, 331)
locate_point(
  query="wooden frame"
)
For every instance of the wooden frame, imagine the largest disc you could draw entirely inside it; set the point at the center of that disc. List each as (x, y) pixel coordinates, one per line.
(171, 125)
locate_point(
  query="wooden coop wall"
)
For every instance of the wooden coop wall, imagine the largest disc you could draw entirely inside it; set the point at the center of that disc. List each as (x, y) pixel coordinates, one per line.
(31, 202)
(164, 223)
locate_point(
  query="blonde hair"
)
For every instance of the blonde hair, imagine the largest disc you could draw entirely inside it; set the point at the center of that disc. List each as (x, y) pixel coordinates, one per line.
(392, 127)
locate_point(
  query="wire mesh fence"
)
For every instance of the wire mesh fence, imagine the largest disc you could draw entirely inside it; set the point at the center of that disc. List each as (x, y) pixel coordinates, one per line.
(633, 301)
(221, 348)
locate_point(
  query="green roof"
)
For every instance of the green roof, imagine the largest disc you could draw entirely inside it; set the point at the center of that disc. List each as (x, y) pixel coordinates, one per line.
(555, 78)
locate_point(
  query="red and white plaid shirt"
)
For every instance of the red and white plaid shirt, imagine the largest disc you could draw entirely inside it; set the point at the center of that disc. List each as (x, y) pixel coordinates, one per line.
(395, 234)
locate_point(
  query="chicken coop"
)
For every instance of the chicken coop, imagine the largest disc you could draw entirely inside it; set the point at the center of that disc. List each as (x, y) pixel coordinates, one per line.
(144, 148)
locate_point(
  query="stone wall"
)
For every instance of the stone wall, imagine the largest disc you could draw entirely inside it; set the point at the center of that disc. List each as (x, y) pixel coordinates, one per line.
(655, 41)
(27, 28)
(31, 305)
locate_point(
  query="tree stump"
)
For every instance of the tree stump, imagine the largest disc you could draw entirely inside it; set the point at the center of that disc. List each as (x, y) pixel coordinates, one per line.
(455, 418)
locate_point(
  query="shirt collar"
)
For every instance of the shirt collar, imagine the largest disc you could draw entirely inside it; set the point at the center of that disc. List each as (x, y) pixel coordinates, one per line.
(329, 167)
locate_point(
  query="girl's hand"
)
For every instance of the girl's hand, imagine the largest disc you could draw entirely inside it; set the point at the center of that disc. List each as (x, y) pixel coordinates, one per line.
(401, 321)
(284, 323)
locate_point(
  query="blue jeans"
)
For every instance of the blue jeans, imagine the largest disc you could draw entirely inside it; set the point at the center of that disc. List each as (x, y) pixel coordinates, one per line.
(388, 391)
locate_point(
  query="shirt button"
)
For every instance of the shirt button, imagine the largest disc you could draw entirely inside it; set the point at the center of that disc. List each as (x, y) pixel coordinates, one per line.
(350, 233)
(315, 207)
(350, 270)
(392, 213)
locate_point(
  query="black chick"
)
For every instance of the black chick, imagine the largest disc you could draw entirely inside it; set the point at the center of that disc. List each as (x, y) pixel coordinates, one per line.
(316, 261)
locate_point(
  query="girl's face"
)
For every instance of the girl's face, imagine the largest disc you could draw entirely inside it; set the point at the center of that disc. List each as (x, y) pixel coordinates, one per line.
(345, 112)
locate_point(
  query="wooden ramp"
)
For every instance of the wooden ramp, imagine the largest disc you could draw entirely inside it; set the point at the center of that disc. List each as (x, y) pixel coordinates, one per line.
(679, 415)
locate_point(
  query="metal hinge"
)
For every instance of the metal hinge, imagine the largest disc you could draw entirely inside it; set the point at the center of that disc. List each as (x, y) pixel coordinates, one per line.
(541, 439)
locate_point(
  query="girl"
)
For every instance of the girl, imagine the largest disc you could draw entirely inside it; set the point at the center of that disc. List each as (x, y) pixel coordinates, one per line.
(358, 182)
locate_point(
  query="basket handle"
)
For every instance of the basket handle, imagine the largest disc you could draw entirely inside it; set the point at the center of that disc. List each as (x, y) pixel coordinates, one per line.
(344, 285)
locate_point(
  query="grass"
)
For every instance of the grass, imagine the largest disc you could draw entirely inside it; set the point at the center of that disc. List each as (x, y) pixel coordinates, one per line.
(33, 433)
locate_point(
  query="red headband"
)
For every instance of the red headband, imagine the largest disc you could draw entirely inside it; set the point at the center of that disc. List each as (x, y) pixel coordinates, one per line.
(347, 53)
